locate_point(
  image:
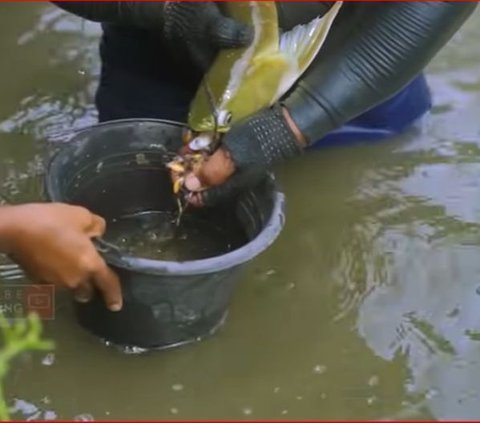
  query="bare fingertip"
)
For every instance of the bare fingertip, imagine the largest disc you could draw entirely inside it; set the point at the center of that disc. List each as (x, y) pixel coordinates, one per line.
(192, 183)
(115, 307)
(196, 200)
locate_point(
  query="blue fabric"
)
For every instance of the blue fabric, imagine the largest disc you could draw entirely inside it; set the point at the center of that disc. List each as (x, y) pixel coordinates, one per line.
(385, 120)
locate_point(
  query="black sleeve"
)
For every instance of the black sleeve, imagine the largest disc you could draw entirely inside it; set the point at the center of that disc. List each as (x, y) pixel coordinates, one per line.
(146, 15)
(374, 50)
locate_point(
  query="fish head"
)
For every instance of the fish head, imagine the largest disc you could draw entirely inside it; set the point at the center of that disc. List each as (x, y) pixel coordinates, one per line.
(204, 120)
(201, 124)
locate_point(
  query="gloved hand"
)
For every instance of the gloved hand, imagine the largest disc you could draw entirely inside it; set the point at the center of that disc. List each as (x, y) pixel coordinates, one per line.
(52, 243)
(249, 149)
(193, 30)
(200, 30)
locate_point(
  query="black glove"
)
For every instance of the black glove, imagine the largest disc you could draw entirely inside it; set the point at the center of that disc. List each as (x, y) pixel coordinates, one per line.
(192, 30)
(200, 30)
(254, 145)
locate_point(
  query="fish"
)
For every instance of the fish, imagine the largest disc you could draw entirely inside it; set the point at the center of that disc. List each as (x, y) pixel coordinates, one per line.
(243, 81)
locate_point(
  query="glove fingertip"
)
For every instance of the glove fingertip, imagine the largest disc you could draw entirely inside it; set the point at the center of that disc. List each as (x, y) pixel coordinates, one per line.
(232, 34)
(245, 34)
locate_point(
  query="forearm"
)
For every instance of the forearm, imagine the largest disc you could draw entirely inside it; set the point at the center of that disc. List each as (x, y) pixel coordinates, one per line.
(393, 42)
(147, 15)
(7, 226)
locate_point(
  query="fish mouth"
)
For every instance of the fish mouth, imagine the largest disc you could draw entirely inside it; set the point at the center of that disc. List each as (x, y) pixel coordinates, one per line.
(208, 125)
(211, 123)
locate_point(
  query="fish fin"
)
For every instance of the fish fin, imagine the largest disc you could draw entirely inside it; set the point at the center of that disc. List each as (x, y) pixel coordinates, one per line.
(303, 42)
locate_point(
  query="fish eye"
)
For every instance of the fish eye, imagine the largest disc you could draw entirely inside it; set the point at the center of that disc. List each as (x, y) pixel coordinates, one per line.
(224, 118)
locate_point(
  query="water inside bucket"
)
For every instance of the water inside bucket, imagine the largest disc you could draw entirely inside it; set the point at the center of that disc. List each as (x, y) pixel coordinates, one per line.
(155, 235)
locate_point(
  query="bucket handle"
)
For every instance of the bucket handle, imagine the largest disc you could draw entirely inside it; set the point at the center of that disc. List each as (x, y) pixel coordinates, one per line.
(105, 247)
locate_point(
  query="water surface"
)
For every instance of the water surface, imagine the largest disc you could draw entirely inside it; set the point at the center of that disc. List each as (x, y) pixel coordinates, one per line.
(161, 235)
(367, 306)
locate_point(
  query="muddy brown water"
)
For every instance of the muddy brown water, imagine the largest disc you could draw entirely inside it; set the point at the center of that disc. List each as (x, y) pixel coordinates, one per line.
(366, 307)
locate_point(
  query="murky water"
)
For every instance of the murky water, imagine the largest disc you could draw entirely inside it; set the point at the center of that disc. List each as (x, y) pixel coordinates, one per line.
(168, 236)
(367, 306)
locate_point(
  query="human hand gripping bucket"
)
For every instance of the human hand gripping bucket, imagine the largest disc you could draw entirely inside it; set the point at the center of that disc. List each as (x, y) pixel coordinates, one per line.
(117, 170)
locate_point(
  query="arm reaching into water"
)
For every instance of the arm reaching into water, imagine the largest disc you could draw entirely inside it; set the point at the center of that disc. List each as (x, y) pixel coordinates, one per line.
(372, 52)
(52, 243)
(194, 29)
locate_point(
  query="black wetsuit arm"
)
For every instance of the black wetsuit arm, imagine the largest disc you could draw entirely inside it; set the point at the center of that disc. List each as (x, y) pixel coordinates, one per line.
(372, 53)
(146, 15)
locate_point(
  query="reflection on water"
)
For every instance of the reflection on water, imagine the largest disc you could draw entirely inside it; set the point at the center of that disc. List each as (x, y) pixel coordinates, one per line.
(425, 245)
(366, 306)
(46, 110)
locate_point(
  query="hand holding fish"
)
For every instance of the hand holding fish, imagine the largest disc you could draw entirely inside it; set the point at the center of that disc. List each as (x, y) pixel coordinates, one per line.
(248, 150)
(237, 127)
(201, 29)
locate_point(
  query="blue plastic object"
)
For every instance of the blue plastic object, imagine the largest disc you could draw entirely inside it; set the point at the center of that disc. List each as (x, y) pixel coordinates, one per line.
(385, 120)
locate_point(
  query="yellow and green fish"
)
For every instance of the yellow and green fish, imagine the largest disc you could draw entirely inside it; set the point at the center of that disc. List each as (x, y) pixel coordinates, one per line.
(243, 81)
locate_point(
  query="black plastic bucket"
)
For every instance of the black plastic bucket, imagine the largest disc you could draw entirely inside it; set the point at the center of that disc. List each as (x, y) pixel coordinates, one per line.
(117, 168)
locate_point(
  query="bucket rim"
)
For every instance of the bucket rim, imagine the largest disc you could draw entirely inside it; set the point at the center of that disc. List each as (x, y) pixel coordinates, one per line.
(254, 247)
